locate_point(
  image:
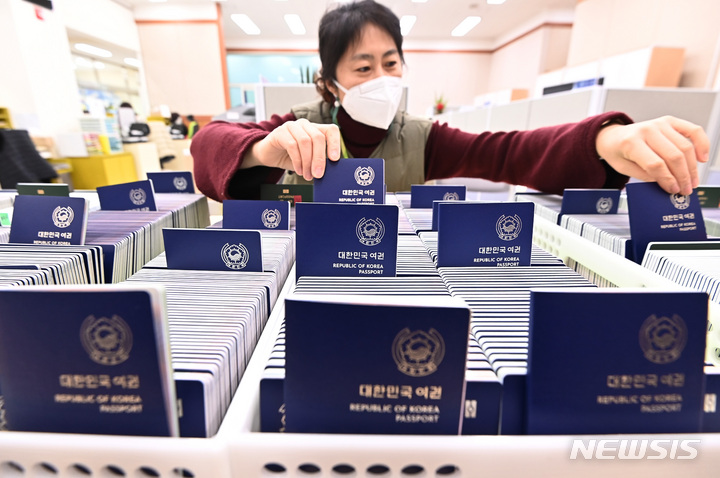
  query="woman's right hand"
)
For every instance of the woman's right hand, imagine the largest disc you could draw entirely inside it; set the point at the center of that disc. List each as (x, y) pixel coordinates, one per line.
(300, 146)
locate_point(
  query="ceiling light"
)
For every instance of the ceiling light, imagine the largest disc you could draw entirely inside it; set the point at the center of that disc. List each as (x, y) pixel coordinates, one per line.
(98, 65)
(465, 26)
(132, 62)
(157, 1)
(93, 50)
(495, 2)
(406, 24)
(419, 1)
(244, 22)
(296, 25)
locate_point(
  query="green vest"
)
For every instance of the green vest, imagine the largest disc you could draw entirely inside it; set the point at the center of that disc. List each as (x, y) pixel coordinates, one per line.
(403, 149)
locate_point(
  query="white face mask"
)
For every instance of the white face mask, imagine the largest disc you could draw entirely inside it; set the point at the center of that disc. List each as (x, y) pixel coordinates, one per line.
(374, 102)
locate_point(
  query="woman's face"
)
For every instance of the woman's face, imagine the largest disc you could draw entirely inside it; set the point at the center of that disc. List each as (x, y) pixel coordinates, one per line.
(374, 55)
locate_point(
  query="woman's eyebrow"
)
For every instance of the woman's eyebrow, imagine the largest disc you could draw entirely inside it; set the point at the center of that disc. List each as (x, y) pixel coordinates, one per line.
(369, 56)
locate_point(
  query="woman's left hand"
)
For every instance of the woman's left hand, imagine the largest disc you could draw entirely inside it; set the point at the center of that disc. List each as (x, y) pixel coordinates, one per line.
(665, 150)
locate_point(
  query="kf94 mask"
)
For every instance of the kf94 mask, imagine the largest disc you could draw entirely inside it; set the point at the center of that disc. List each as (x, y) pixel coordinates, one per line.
(374, 102)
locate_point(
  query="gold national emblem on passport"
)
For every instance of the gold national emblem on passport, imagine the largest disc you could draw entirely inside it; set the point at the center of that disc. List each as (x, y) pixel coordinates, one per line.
(663, 339)
(63, 216)
(235, 256)
(680, 201)
(108, 341)
(138, 196)
(271, 218)
(604, 205)
(180, 183)
(508, 227)
(364, 176)
(370, 231)
(418, 353)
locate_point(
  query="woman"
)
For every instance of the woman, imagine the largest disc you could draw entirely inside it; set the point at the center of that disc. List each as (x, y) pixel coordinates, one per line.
(360, 48)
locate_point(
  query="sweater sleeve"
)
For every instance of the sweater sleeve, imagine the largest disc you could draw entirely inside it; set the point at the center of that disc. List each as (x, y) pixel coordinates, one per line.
(218, 150)
(548, 159)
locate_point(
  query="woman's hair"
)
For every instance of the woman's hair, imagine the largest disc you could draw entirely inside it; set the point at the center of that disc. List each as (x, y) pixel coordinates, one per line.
(341, 27)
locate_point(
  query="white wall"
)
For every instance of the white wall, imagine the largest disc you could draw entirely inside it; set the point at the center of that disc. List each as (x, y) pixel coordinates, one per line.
(458, 76)
(605, 28)
(38, 82)
(184, 66)
(102, 19)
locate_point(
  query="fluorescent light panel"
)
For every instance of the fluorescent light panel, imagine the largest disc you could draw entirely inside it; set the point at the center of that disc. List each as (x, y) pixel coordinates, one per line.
(465, 26)
(132, 62)
(495, 2)
(406, 23)
(93, 50)
(244, 22)
(295, 24)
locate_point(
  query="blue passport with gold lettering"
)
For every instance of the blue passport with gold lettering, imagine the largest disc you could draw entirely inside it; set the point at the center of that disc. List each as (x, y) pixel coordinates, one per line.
(213, 249)
(346, 240)
(172, 181)
(352, 181)
(49, 220)
(375, 365)
(256, 214)
(90, 359)
(132, 196)
(657, 216)
(610, 361)
(423, 195)
(493, 234)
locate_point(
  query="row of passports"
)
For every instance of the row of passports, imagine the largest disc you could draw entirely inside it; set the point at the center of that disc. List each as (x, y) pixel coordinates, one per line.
(428, 389)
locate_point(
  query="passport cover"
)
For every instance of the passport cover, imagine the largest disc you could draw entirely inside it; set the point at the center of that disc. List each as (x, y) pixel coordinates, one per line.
(43, 189)
(247, 214)
(375, 365)
(590, 201)
(132, 196)
(346, 240)
(172, 181)
(485, 234)
(656, 216)
(352, 181)
(86, 360)
(627, 361)
(423, 195)
(49, 220)
(213, 249)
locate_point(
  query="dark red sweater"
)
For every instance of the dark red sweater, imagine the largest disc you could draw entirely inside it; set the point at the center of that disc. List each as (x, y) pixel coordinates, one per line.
(548, 159)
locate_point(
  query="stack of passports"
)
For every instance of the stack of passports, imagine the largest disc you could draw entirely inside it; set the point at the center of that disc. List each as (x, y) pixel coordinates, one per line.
(630, 362)
(398, 364)
(97, 364)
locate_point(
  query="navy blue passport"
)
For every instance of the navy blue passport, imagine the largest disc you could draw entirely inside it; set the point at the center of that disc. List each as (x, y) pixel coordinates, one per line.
(375, 365)
(611, 361)
(423, 195)
(485, 234)
(352, 181)
(132, 196)
(86, 360)
(172, 181)
(346, 240)
(656, 216)
(49, 220)
(213, 249)
(242, 214)
(590, 201)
